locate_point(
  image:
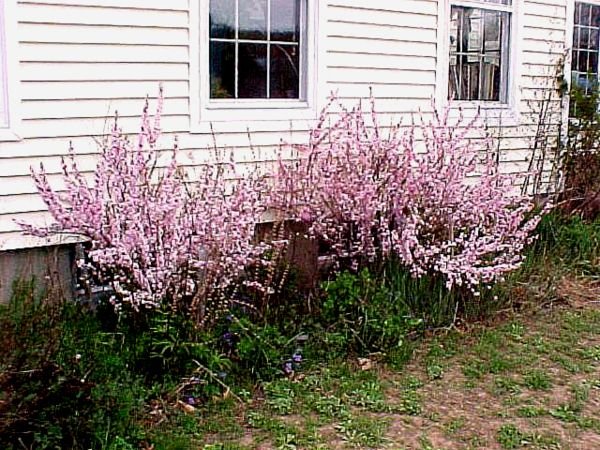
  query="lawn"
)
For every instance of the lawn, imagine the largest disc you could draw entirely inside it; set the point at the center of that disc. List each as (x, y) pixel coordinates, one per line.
(528, 381)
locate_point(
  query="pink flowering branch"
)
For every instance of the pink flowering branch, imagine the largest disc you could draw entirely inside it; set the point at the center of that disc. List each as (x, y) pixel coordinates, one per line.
(445, 210)
(154, 238)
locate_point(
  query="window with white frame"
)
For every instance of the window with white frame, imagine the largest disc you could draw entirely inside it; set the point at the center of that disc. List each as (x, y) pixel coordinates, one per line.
(4, 116)
(257, 50)
(480, 33)
(586, 44)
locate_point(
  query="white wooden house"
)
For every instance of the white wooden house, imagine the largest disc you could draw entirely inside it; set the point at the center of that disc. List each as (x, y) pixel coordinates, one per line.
(267, 66)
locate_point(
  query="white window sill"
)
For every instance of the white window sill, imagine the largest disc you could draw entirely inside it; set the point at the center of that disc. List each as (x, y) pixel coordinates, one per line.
(492, 113)
(9, 135)
(241, 116)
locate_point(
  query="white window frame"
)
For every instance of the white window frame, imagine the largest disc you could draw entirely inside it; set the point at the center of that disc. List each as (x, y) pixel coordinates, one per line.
(507, 110)
(10, 76)
(205, 110)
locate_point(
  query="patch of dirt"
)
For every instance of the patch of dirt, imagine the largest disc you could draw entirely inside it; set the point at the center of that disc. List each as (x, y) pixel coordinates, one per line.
(578, 292)
(482, 414)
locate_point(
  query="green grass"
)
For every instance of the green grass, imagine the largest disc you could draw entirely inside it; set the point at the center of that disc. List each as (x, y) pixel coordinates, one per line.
(516, 380)
(536, 379)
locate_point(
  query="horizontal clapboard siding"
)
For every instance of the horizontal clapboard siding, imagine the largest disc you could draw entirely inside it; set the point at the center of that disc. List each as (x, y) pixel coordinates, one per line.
(82, 60)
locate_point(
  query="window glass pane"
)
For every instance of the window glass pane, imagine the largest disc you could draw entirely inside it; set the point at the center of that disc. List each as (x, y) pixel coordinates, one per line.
(253, 19)
(285, 75)
(593, 39)
(222, 19)
(584, 36)
(586, 43)
(582, 64)
(491, 79)
(252, 71)
(222, 70)
(477, 64)
(593, 62)
(492, 32)
(473, 38)
(585, 14)
(595, 16)
(285, 20)
(575, 61)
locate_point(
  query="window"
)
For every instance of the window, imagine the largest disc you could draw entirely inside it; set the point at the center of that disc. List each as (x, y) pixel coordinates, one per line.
(480, 33)
(254, 61)
(257, 49)
(586, 38)
(4, 116)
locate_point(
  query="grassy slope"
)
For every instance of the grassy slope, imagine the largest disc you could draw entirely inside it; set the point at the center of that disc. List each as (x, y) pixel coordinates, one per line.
(529, 382)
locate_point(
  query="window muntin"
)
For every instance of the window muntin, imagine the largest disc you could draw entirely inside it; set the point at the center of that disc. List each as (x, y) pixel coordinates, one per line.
(256, 49)
(586, 40)
(479, 50)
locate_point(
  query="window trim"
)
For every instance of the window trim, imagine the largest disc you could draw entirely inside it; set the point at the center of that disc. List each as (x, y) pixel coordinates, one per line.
(505, 112)
(12, 132)
(204, 109)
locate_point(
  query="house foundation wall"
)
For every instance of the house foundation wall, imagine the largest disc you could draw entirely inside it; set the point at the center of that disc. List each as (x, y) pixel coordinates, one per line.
(49, 267)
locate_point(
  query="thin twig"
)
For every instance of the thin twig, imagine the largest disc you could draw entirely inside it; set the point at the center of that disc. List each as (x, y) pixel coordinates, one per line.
(216, 378)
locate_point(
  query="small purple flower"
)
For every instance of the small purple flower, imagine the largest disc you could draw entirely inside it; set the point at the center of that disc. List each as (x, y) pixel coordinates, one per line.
(191, 400)
(297, 358)
(287, 368)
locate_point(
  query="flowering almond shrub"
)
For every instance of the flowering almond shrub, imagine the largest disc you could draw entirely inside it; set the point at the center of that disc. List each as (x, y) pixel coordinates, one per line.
(155, 238)
(446, 210)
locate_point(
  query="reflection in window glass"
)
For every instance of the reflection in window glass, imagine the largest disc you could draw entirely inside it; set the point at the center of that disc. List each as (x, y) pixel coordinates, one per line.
(253, 19)
(586, 34)
(222, 70)
(222, 19)
(256, 48)
(479, 41)
(284, 71)
(252, 68)
(285, 20)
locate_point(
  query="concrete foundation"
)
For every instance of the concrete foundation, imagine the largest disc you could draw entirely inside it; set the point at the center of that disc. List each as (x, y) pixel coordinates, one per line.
(48, 266)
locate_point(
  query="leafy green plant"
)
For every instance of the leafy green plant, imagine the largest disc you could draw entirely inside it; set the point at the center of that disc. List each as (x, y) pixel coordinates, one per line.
(364, 315)
(68, 384)
(581, 156)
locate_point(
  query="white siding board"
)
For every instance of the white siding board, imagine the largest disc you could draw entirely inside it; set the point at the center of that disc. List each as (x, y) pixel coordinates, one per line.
(77, 15)
(102, 53)
(102, 71)
(380, 61)
(383, 46)
(425, 7)
(171, 5)
(69, 109)
(387, 32)
(101, 34)
(47, 128)
(113, 90)
(393, 19)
